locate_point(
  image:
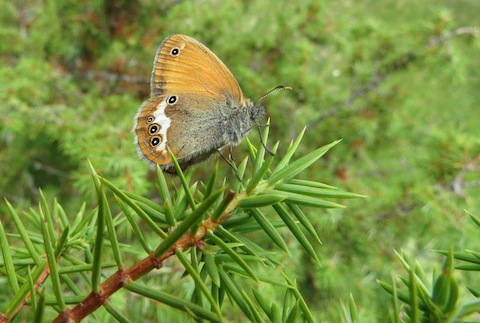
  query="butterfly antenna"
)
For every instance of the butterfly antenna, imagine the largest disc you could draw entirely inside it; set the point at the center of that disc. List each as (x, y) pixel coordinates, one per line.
(275, 90)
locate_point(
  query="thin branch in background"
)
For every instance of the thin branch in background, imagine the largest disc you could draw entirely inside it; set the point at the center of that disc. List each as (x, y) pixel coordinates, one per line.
(114, 77)
(38, 166)
(458, 185)
(379, 77)
(401, 209)
(165, 5)
(119, 82)
(435, 41)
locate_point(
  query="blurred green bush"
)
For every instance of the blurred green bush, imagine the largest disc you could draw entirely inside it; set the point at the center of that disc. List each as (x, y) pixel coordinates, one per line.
(397, 81)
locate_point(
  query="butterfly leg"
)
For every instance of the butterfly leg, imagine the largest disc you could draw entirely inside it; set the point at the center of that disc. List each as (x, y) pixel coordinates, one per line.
(230, 155)
(264, 144)
(268, 151)
(230, 162)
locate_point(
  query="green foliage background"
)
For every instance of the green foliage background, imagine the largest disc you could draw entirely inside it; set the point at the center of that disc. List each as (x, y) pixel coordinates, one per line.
(73, 73)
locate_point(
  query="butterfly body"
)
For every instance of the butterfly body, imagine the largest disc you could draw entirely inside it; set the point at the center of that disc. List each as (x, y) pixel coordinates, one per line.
(196, 106)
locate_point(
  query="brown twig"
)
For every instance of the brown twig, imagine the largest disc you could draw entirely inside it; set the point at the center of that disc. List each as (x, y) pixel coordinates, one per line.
(123, 276)
(41, 279)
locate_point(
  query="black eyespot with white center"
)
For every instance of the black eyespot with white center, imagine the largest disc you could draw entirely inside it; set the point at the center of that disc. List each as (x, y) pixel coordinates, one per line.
(155, 141)
(150, 119)
(175, 51)
(172, 99)
(153, 129)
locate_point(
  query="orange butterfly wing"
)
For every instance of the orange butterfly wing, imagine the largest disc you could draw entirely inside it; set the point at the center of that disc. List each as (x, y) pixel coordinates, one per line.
(184, 65)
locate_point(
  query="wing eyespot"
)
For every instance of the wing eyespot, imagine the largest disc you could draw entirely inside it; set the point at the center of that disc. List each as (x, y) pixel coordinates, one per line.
(155, 141)
(153, 129)
(175, 51)
(150, 119)
(172, 99)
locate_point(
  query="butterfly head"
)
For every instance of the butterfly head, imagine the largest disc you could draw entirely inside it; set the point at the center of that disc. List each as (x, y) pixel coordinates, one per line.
(255, 111)
(247, 117)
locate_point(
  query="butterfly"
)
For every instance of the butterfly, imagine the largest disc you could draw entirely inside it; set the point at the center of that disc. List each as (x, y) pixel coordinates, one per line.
(196, 106)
